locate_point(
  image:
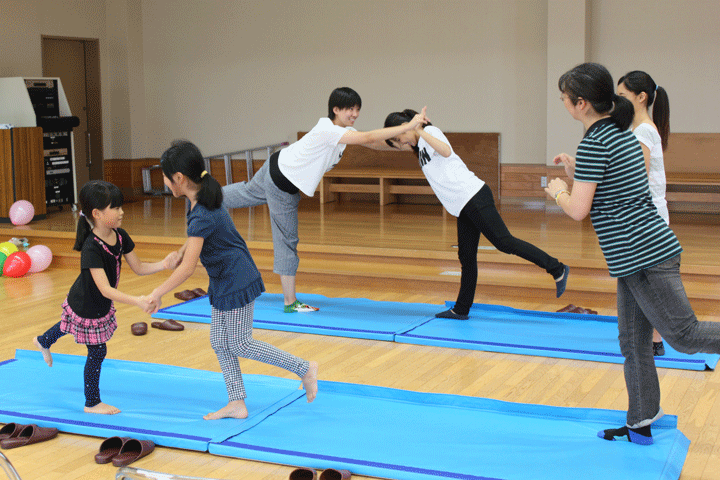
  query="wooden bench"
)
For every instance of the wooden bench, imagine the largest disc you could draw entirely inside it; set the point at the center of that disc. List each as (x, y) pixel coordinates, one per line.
(383, 182)
(693, 187)
(392, 174)
(692, 172)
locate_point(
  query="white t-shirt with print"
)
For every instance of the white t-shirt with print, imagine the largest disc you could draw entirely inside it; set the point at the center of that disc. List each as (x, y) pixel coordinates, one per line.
(453, 183)
(648, 136)
(305, 162)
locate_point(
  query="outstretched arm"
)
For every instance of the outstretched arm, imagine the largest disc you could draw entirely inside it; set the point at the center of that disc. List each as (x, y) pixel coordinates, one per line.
(190, 257)
(374, 138)
(143, 268)
(112, 293)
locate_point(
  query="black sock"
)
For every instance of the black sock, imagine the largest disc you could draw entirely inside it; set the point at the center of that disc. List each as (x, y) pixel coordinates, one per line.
(641, 436)
(451, 314)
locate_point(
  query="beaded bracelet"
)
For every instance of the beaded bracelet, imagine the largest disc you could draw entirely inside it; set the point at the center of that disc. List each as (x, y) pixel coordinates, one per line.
(557, 196)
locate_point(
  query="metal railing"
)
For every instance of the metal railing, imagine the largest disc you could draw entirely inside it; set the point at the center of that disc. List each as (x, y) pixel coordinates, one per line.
(227, 158)
(131, 473)
(8, 469)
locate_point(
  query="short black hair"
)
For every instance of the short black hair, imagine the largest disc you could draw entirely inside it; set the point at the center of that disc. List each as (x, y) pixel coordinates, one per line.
(343, 97)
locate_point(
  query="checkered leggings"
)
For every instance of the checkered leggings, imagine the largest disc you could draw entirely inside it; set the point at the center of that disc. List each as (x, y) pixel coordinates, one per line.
(231, 337)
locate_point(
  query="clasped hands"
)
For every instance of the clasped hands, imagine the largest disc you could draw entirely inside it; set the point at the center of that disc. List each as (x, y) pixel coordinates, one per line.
(149, 304)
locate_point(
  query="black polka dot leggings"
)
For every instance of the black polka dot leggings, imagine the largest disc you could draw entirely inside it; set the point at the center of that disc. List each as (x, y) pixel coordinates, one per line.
(93, 364)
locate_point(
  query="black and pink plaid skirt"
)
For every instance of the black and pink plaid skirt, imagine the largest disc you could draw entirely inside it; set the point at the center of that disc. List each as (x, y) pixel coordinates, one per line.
(88, 331)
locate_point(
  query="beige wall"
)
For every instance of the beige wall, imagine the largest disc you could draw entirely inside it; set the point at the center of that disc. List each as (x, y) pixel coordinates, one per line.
(676, 42)
(230, 75)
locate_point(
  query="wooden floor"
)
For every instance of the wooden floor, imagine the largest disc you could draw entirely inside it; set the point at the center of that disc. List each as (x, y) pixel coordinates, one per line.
(396, 253)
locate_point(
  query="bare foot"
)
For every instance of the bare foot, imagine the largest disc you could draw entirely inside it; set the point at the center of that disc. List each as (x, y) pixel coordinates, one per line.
(102, 408)
(309, 382)
(234, 409)
(47, 356)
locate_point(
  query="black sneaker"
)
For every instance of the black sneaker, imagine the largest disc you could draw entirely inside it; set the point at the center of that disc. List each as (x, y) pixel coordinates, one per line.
(658, 349)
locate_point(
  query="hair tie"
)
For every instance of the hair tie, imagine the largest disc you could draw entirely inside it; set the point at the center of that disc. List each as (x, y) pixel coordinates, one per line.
(203, 173)
(656, 87)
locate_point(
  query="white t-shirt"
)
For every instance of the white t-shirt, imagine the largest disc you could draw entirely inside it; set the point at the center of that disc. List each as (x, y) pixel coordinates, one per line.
(306, 161)
(648, 136)
(453, 183)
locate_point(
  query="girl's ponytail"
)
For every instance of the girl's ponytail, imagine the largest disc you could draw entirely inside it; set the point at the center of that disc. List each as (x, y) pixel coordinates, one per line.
(210, 194)
(82, 231)
(623, 112)
(661, 115)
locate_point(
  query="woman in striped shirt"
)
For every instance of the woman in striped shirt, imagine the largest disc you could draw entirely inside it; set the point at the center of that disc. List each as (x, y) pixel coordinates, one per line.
(611, 184)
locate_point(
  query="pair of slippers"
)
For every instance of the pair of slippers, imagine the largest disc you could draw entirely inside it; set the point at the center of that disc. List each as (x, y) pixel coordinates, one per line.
(123, 451)
(304, 473)
(140, 328)
(15, 435)
(573, 309)
(190, 294)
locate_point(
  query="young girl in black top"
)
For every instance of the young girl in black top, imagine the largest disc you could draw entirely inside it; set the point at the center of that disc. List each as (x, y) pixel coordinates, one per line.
(88, 312)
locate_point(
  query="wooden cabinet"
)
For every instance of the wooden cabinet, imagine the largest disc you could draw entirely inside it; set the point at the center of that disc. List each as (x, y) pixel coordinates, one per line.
(22, 170)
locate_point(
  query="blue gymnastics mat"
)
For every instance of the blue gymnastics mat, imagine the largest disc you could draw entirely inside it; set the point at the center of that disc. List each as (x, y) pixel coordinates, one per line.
(497, 328)
(491, 328)
(408, 435)
(161, 403)
(341, 317)
(369, 430)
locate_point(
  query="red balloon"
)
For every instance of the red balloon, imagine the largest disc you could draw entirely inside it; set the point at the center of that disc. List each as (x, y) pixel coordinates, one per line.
(17, 264)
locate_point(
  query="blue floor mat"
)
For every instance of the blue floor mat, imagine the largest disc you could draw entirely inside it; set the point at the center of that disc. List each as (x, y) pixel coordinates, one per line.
(491, 328)
(407, 435)
(161, 403)
(341, 317)
(369, 430)
(497, 328)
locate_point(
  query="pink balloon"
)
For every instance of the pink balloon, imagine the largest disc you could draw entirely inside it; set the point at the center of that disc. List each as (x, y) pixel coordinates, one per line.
(40, 258)
(17, 264)
(21, 212)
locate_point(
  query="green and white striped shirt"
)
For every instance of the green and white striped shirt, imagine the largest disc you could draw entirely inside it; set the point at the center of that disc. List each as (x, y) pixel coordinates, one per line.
(632, 234)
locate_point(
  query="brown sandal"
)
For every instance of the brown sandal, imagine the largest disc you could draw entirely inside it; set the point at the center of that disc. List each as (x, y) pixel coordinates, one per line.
(29, 435)
(303, 473)
(139, 328)
(185, 295)
(11, 430)
(109, 448)
(133, 450)
(171, 325)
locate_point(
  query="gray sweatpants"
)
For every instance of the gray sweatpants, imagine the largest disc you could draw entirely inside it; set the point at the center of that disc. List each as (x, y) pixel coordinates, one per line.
(283, 215)
(655, 297)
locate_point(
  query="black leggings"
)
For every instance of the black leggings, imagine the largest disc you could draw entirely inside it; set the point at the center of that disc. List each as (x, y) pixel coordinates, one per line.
(479, 216)
(93, 364)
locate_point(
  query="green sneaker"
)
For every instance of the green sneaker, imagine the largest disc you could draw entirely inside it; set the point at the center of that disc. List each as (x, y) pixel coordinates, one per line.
(298, 306)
